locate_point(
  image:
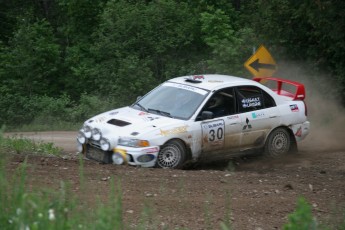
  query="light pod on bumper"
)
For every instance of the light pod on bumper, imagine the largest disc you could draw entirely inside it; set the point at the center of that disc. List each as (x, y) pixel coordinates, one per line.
(81, 138)
(105, 144)
(87, 131)
(96, 134)
(119, 157)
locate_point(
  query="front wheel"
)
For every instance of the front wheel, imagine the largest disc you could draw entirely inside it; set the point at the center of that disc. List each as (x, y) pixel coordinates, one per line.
(172, 155)
(278, 143)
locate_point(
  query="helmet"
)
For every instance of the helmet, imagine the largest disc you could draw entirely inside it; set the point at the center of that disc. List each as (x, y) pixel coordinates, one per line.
(214, 102)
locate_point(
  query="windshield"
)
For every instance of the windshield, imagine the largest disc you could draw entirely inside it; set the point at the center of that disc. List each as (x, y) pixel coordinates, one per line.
(172, 100)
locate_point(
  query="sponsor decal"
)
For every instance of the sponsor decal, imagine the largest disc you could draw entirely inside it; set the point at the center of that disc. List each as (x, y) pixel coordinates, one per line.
(233, 117)
(151, 150)
(187, 87)
(215, 81)
(113, 113)
(299, 132)
(247, 126)
(143, 113)
(197, 77)
(213, 132)
(177, 130)
(251, 102)
(150, 118)
(100, 119)
(294, 108)
(258, 115)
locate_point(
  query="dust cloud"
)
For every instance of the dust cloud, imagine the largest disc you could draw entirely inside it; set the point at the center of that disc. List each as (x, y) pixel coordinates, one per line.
(325, 112)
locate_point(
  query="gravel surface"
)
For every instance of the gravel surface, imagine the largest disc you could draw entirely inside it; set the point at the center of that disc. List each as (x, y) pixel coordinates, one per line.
(251, 193)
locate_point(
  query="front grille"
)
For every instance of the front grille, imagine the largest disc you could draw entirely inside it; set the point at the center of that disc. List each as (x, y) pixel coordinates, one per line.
(99, 155)
(118, 122)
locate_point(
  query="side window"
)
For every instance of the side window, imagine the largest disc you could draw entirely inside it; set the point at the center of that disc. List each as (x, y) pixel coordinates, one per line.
(268, 100)
(249, 98)
(222, 103)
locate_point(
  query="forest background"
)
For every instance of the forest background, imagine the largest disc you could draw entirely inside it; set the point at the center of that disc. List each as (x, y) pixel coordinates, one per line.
(62, 61)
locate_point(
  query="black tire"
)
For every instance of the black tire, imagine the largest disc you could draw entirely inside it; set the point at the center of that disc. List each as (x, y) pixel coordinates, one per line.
(172, 155)
(278, 143)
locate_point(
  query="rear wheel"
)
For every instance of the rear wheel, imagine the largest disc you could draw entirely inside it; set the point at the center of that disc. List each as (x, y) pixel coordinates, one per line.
(172, 155)
(278, 143)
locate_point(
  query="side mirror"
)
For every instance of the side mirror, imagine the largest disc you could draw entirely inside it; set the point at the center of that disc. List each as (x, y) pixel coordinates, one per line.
(206, 115)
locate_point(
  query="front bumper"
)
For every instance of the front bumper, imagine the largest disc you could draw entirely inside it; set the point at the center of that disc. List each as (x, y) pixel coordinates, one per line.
(145, 157)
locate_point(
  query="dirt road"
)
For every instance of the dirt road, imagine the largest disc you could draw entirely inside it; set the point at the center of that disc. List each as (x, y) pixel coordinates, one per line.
(253, 193)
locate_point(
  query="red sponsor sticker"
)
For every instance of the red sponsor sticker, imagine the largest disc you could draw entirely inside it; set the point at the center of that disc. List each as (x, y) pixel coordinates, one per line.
(197, 77)
(299, 132)
(151, 150)
(294, 108)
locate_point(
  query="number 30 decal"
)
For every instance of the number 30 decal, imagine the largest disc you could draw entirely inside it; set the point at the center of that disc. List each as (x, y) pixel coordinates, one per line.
(214, 132)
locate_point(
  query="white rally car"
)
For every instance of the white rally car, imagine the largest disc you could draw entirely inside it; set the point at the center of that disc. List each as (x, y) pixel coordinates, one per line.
(204, 116)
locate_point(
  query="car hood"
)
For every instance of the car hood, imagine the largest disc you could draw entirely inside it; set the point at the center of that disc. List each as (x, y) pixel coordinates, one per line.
(127, 121)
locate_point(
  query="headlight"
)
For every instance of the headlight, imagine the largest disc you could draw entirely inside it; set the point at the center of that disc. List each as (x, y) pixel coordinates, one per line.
(96, 134)
(81, 137)
(133, 142)
(105, 144)
(87, 131)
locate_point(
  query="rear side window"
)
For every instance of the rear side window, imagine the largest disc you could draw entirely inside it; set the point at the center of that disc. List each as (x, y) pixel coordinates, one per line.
(268, 100)
(250, 98)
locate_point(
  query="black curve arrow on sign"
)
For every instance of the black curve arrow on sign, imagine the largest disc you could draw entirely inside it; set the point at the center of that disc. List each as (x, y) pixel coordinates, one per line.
(257, 65)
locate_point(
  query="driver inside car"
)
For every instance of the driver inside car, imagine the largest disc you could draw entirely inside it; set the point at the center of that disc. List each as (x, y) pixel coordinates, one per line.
(216, 106)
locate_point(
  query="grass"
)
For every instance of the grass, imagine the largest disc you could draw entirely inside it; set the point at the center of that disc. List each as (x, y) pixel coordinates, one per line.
(20, 145)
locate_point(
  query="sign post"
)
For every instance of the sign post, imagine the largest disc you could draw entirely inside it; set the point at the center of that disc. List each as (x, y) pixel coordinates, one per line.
(261, 63)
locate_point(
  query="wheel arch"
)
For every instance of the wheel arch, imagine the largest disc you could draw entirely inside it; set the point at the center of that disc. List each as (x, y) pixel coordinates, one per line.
(187, 147)
(293, 147)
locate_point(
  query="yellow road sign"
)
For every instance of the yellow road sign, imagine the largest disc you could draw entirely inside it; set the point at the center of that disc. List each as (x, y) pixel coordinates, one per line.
(261, 64)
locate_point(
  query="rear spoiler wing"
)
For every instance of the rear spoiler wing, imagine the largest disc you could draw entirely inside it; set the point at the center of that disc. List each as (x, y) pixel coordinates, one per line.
(283, 87)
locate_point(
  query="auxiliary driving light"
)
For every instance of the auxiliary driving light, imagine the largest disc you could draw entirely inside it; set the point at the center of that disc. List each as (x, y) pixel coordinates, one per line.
(87, 131)
(105, 144)
(119, 157)
(96, 134)
(81, 137)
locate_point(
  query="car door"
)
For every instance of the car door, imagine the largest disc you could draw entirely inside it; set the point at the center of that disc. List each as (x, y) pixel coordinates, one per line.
(222, 133)
(259, 115)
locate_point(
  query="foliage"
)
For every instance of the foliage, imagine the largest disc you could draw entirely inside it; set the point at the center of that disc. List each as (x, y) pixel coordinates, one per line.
(21, 145)
(62, 51)
(230, 46)
(302, 218)
(30, 62)
(133, 55)
(50, 113)
(47, 209)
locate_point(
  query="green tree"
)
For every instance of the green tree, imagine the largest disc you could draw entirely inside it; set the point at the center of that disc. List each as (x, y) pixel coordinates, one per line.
(230, 45)
(145, 43)
(31, 60)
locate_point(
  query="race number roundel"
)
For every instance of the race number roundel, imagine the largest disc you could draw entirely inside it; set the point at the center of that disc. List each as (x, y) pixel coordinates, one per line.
(214, 132)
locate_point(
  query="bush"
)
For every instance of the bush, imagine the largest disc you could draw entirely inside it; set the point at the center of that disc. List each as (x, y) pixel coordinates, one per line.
(50, 113)
(301, 218)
